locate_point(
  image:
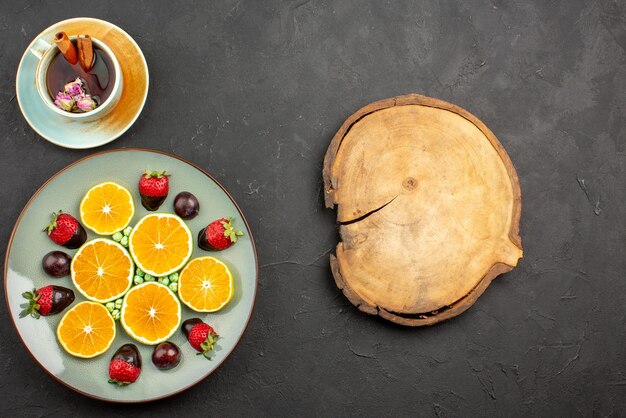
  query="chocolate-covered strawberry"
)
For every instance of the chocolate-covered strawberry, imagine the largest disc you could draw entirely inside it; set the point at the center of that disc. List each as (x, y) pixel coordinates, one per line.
(200, 335)
(65, 230)
(218, 235)
(48, 300)
(125, 365)
(153, 188)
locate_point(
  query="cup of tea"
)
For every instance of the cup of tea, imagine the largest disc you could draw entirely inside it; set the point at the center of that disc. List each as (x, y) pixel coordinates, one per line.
(100, 86)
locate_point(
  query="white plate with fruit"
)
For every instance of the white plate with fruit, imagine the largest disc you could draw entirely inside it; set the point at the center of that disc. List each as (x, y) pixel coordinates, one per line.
(146, 272)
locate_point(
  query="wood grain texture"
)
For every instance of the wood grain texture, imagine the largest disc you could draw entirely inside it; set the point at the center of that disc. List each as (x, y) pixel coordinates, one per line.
(428, 204)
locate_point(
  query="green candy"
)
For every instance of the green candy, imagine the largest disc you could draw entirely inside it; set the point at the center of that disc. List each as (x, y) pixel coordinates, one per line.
(127, 230)
(148, 278)
(117, 236)
(138, 280)
(110, 306)
(174, 278)
(124, 241)
(164, 280)
(118, 303)
(173, 287)
(116, 314)
(139, 272)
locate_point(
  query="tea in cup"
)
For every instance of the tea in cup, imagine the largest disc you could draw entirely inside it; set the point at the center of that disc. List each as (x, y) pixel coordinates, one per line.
(78, 77)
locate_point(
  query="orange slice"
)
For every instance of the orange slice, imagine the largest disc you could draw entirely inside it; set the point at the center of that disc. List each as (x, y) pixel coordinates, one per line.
(107, 208)
(150, 313)
(87, 330)
(102, 270)
(160, 244)
(205, 284)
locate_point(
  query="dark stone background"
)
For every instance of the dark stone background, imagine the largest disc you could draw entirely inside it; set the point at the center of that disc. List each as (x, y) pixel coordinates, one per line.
(253, 92)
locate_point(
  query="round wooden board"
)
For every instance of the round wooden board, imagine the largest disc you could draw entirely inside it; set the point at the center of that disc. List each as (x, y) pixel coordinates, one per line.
(428, 204)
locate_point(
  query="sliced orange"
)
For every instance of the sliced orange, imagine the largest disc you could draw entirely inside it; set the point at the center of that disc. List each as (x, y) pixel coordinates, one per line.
(107, 208)
(87, 330)
(150, 313)
(160, 244)
(102, 270)
(205, 284)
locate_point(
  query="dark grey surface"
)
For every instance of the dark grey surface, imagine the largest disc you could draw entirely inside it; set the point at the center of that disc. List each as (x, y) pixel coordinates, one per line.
(253, 92)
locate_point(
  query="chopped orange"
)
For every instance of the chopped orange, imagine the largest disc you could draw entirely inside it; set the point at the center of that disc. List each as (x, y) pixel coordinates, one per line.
(205, 284)
(107, 208)
(150, 313)
(87, 330)
(160, 243)
(102, 270)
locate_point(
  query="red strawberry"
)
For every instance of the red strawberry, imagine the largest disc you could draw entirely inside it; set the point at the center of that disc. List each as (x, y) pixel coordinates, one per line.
(153, 188)
(48, 300)
(218, 235)
(65, 230)
(125, 365)
(122, 373)
(201, 336)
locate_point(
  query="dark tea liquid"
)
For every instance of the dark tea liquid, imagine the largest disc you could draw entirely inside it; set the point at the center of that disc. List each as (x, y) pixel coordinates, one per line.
(99, 81)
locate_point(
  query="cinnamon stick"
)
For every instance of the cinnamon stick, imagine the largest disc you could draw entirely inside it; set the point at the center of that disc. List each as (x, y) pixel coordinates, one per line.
(85, 52)
(66, 47)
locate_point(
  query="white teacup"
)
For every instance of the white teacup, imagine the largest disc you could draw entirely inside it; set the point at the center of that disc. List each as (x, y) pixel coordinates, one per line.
(46, 52)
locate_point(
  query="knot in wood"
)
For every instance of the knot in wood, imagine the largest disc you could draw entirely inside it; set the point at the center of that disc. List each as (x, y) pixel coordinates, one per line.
(409, 184)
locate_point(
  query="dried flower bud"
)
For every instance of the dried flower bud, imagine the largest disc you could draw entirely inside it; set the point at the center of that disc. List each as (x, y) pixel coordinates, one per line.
(64, 101)
(75, 88)
(85, 103)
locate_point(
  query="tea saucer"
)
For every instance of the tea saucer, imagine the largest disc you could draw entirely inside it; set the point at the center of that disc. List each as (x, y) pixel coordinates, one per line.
(79, 134)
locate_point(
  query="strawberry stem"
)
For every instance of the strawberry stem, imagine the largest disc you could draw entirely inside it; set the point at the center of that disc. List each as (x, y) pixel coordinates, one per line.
(208, 345)
(31, 307)
(152, 173)
(229, 231)
(118, 383)
(53, 222)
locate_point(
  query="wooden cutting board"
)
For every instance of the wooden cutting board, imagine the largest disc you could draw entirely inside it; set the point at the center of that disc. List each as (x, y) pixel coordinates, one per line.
(428, 204)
